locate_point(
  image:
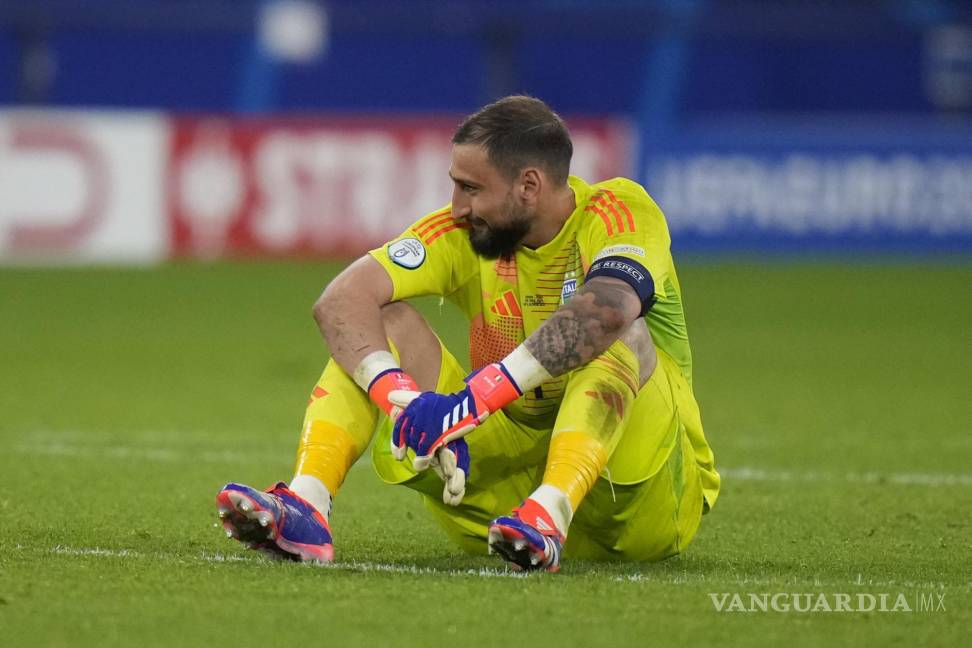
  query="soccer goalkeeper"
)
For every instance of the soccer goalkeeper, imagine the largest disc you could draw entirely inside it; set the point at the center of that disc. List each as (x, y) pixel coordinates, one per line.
(577, 433)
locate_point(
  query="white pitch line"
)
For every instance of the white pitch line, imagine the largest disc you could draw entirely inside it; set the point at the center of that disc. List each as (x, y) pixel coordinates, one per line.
(365, 566)
(482, 572)
(351, 565)
(684, 578)
(92, 551)
(741, 473)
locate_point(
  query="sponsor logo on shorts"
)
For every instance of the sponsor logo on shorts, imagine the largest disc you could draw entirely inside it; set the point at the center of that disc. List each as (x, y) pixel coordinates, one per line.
(407, 252)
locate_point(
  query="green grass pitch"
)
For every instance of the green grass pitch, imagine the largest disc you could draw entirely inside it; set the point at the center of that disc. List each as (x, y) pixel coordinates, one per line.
(836, 396)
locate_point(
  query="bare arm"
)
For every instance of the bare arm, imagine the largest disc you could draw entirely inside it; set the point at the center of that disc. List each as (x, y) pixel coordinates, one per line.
(583, 328)
(349, 312)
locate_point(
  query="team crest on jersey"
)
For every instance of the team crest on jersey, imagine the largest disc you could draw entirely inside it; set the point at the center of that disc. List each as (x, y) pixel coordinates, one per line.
(407, 252)
(568, 290)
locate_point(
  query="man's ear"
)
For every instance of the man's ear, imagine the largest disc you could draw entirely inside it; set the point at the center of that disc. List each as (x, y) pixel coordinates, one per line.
(531, 184)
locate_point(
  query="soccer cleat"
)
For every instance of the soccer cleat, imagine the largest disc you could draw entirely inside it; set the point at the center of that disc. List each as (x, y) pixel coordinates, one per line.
(277, 522)
(528, 538)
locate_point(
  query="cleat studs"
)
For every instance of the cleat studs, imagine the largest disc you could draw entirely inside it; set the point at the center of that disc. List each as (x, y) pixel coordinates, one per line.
(263, 518)
(229, 534)
(534, 560)
(245, 506)
(519, 544)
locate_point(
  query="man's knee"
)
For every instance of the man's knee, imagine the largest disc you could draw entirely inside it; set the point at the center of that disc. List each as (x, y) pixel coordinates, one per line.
(638, 339)
(417, 345)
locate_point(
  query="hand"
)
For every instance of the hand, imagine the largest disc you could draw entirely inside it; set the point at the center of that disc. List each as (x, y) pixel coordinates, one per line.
(431, 421)
(450, 462)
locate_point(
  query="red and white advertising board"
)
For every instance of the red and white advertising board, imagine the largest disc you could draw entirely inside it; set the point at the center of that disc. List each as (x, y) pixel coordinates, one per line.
(325, 186)
(82, 187)
(115, 187)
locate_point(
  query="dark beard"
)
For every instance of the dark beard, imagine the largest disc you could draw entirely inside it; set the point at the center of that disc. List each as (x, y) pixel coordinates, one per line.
(496, 242)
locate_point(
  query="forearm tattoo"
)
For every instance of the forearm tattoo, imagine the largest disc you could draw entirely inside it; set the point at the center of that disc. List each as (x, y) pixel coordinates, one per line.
(583, 328)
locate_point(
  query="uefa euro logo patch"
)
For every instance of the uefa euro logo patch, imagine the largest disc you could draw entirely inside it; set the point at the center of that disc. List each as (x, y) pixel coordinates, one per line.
(570, 287)
(408, 253)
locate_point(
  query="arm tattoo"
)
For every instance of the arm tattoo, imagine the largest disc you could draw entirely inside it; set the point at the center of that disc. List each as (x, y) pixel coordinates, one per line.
(584, 327)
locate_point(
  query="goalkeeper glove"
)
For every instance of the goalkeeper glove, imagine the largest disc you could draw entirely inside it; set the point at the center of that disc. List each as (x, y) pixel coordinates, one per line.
(431, 421)
(450, 462)
(387, 382)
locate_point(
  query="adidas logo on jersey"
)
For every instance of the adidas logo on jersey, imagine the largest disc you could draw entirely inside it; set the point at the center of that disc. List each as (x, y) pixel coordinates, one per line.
(506, 305)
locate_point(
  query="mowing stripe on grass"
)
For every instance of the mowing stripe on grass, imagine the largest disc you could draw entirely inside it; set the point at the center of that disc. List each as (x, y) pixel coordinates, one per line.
(812, 476)
(164, 455)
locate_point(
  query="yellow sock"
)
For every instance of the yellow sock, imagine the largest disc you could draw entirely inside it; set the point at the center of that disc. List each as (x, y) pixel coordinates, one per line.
(338, 425)
(326, 452)
(574, 462)
(590, 423)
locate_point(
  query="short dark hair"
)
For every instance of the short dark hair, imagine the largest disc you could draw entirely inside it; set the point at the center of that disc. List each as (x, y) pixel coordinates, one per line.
(518, 131)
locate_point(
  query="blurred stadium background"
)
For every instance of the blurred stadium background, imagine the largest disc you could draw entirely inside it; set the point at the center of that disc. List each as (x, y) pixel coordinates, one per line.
(135, 130)
(180, 178)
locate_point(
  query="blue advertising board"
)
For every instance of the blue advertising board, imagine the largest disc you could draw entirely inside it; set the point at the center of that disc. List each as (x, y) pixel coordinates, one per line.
(788, 185)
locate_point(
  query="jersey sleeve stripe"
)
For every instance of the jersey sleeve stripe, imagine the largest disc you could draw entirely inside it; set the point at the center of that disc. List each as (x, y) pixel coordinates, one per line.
(623, 207)
(617, 216)
(428, 219)
(604, 217)
(449, 228)
(428, 225)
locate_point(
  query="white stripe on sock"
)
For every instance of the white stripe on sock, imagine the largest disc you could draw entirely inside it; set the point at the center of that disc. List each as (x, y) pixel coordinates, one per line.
(314, 491)
(557, 504)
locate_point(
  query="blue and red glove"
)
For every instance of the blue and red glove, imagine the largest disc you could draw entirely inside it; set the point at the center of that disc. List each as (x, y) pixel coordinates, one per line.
(431, 421)
(451, 462)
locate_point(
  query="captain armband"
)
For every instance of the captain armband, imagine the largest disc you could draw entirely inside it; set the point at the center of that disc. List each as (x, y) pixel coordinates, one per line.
(629, 271)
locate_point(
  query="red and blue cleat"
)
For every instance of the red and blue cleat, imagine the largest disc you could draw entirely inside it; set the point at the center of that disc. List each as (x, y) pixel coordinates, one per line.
(528, 539)
(277, 522)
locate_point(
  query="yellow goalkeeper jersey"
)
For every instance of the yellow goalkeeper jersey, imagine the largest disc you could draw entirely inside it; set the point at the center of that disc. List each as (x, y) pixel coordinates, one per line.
(615, 224)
